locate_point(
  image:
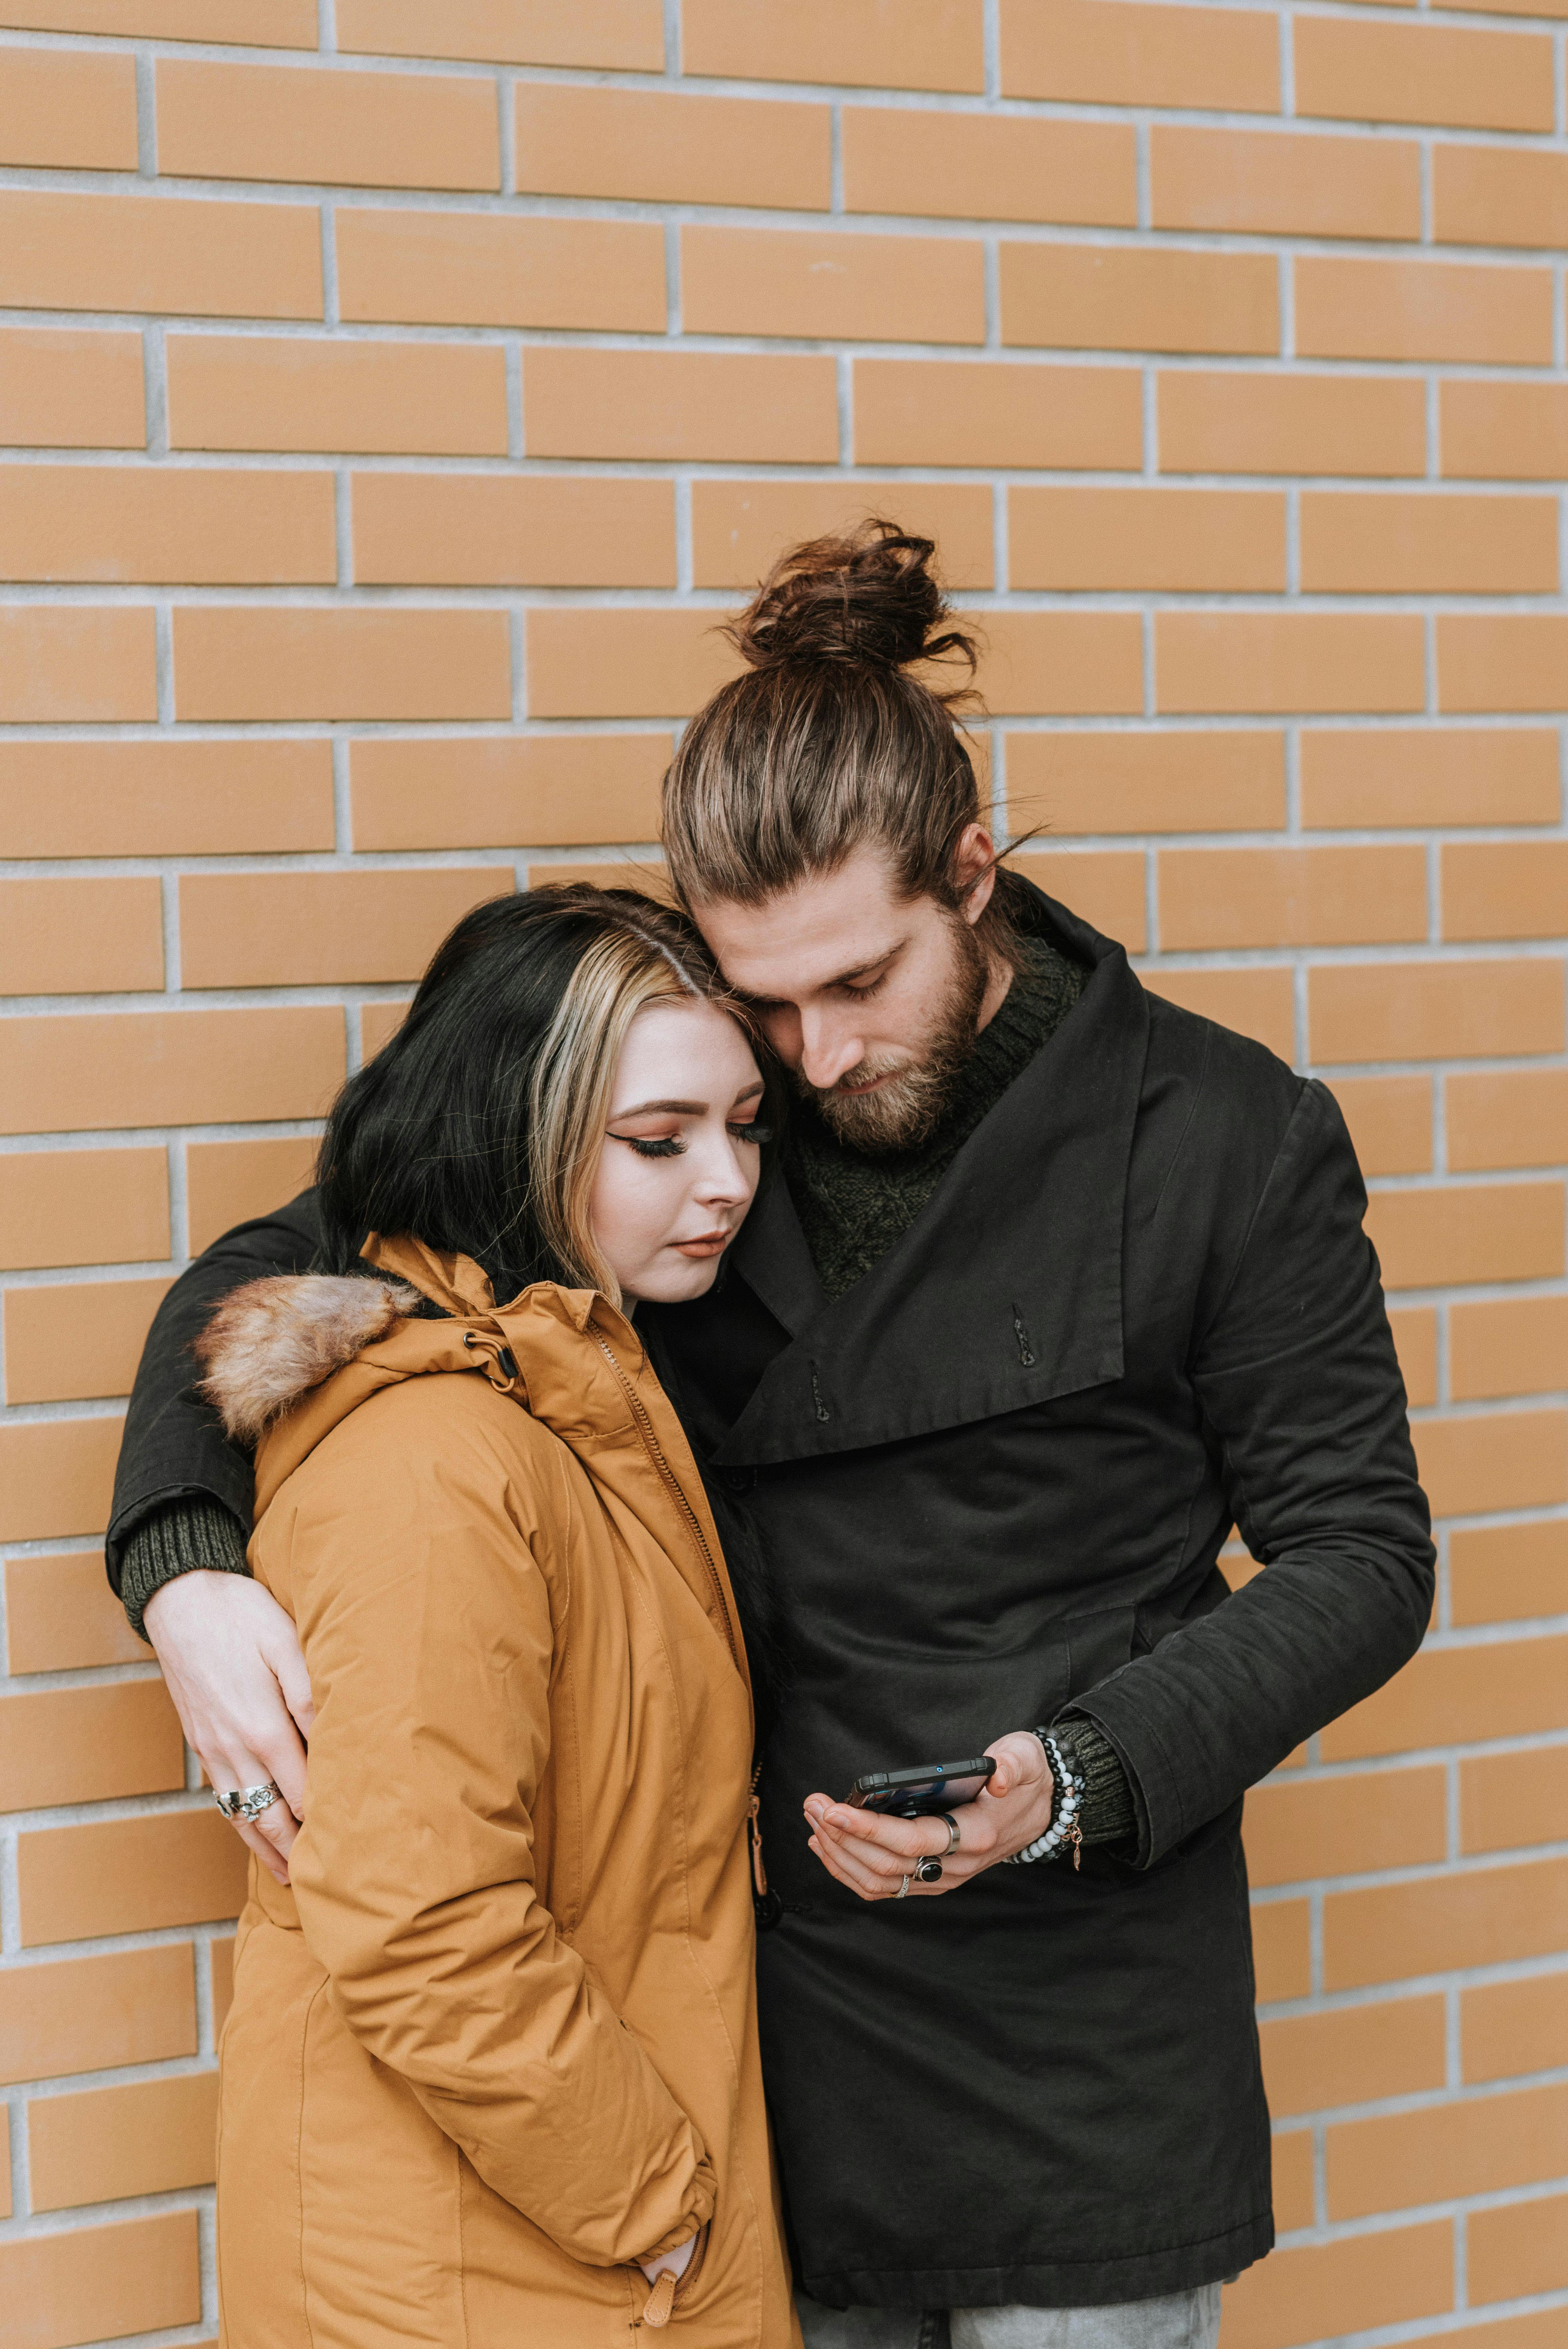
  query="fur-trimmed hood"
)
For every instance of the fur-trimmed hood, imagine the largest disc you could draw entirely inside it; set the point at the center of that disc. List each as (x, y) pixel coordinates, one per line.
(270, 1342)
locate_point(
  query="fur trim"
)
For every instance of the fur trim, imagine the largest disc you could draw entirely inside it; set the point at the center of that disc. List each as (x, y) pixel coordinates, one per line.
(273, 1340)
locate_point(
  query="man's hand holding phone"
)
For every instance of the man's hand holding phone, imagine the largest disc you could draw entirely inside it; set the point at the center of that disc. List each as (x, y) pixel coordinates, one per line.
(874, 1854)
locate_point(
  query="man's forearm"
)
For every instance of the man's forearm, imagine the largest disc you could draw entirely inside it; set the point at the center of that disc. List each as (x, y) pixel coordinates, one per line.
(185, 1537)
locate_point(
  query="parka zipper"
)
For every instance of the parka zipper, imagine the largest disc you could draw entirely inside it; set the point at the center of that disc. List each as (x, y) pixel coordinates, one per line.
(651, 1445)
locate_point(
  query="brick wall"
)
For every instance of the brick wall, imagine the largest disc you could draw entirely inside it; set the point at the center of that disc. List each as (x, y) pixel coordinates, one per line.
(390, 400)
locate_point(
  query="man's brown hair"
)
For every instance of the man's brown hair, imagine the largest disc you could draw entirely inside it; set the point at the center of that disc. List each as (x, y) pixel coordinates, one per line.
(830, 739)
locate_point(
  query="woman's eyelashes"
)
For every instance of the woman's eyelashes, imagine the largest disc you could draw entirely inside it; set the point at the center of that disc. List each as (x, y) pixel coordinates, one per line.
(670, 1145)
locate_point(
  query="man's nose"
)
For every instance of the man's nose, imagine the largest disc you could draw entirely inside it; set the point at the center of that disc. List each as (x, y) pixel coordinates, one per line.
(828, 1049)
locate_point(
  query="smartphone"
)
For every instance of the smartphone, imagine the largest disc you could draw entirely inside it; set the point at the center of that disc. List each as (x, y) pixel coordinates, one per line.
(934, 1787)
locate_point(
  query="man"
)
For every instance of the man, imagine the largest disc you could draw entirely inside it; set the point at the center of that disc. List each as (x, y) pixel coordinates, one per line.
(1056, 1283)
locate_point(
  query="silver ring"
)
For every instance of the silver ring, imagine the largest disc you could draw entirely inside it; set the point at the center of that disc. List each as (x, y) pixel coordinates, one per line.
(952, 1826)
(903, 1888)
(248, 1802)
(928, 1870)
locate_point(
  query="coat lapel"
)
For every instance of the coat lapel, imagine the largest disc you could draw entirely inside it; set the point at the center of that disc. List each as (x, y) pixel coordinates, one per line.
(1006, 1290)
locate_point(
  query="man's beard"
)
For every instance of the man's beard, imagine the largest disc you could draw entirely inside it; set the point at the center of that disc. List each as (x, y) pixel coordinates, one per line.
(907, 1108)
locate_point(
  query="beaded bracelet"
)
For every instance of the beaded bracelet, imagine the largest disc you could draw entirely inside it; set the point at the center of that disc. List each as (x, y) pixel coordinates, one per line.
(1066, 1801)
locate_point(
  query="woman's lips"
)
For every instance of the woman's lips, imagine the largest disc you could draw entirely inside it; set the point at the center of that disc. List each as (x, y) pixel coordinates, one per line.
(706, 1243)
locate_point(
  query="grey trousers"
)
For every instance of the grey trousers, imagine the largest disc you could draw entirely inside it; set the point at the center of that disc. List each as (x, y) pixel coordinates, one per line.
(1178, 2320)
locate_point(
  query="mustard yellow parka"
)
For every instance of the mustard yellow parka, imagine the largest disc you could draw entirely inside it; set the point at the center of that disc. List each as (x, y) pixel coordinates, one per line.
(498, 2041)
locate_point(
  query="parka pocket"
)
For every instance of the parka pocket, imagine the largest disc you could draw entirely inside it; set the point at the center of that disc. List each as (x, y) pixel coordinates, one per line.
(670, 2298)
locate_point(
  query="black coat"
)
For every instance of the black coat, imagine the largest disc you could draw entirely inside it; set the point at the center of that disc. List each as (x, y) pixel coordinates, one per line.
(991, 1479)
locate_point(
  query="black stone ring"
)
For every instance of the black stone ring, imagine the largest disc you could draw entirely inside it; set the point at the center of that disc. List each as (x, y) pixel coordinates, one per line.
(928, 1871)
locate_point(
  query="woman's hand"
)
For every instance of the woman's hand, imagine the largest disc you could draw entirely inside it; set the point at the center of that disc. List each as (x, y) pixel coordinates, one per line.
(232, 1665)
(873, 1855)
(676, 2261)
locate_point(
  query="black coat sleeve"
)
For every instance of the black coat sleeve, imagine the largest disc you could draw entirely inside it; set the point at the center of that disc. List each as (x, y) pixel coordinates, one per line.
(173, 1446)
(1298, 1379)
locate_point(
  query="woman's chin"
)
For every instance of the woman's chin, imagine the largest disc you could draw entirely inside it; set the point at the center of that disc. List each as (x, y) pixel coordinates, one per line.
(678, 1281)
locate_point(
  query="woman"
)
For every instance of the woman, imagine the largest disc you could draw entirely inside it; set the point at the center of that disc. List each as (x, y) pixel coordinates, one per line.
(491, 2078)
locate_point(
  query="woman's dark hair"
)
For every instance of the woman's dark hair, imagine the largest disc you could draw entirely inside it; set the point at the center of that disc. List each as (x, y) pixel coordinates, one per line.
(840, 733)
(478, 1126)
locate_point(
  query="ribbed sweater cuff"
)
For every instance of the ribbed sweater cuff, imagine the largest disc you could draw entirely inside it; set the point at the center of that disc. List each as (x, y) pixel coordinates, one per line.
(182, 1537)
(1108, 1813)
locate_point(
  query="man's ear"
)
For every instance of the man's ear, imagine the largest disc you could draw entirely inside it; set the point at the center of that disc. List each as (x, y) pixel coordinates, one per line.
(974, 870)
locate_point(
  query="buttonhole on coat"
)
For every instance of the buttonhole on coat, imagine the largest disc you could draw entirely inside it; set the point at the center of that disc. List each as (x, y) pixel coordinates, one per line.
(1026, 1352)
(822, 1410)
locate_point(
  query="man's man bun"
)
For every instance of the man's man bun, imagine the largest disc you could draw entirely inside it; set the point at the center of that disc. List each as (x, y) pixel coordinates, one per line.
(868, 598)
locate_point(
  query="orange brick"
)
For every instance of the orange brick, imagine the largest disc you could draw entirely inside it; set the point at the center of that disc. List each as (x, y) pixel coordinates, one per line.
(1257, 1003)
(988, 166)
(609, 873)
(80, 937)
(1513, 1460)
(1294, 2184)
(1514, 2026)
(1428, 775)
(88, 1745)
(83, 1207)
(1040, 664)
(490, 269)
(1265, 661)
(583, 663)
(65, 663)
(252, 391)
(95, 2283)
(1103, 887)
(623, 35)
(741, 528)
(58, 1478)
(1417, 544)
(1509, 1800)
(1414, 1333)
(164, 799)
(1428, 1010)
(1504, 431)
(926, 45)
(324, 662)
(89, 2015)
(61, 252)
(150, 2137)
(651, 146)
(1290, 423)
(533, 790)
(1170, 781)
(261, 24)
(1119, 54)
(86, 1071)
(1494, 889)
(1479, 1917)
(380, 1021)
(1487, 195)
(75, 1340)
(343, 129)
(768, 281)
(1290, 896)
(1458, 1696)
(474, 530)
(947, 412)
(1378, 71)
(1282, 1948)
(1130, 298)
(1505, 1573)
(60, 1616)
(227, 1183)
(1515, 1117)
(1304, 2294)
(68, 109)
(1174, 539)
(1518, 2249)
(1259, 182)
(720, 406)
(62, 390)
(1512, 662)
(1477, 2147)
(322, 929)
(1343, 1827)
(221, 1958)
(1390, 1122)
(91, 522)
(129, 1876)
(1353, 2055)
(1474, 1231)
(1421, 309)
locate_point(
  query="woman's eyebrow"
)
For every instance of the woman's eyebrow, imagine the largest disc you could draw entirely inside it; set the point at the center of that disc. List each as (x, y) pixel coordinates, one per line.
(746, 1093)
(662, 1108)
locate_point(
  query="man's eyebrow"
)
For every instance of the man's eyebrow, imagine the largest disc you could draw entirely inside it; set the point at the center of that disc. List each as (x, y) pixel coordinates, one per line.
(839, 978)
